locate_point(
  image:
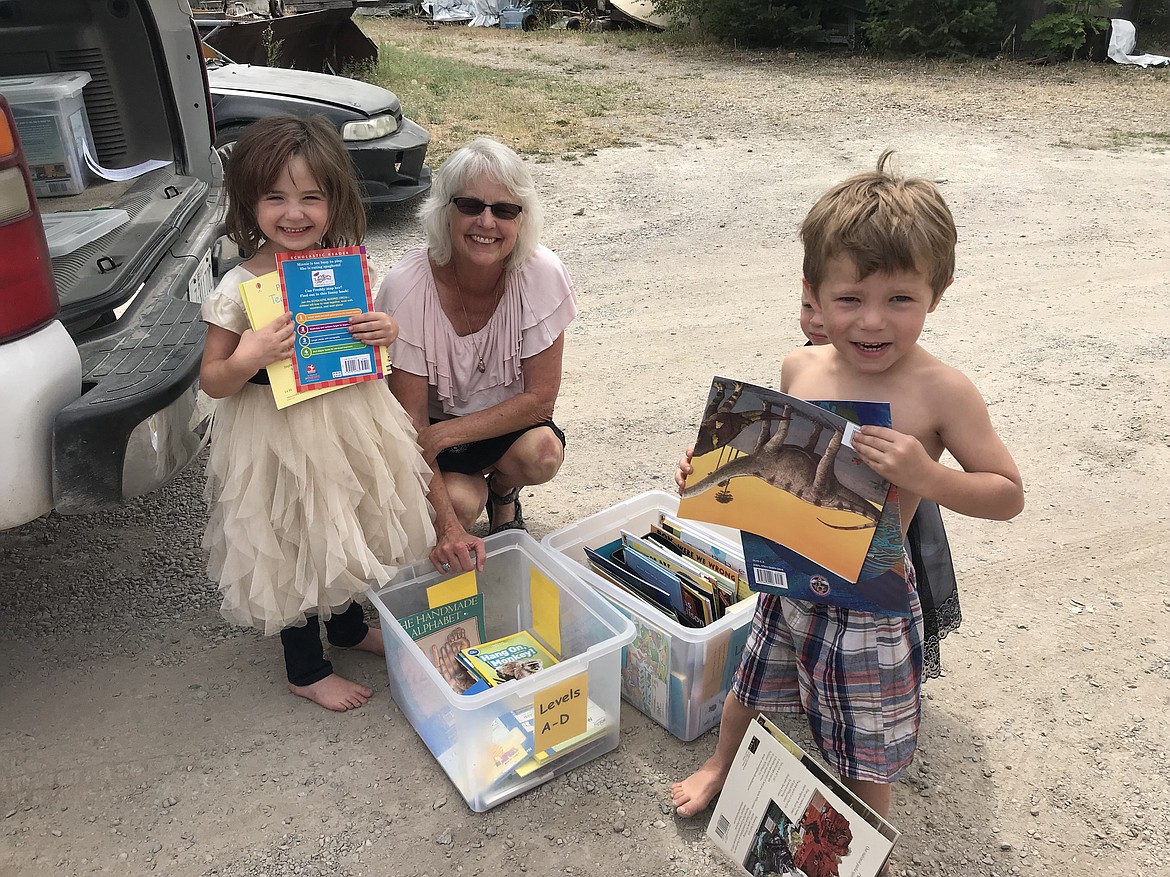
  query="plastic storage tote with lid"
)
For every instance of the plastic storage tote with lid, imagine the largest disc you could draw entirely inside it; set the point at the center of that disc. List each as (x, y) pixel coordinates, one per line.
(485, 742)
(54, 130)
(679, 676)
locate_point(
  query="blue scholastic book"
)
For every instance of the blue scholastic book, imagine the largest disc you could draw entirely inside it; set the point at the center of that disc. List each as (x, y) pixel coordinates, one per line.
(322, 289)
(816, 523)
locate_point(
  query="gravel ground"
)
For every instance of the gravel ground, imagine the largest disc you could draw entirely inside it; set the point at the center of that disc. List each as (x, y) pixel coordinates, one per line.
(141, 733)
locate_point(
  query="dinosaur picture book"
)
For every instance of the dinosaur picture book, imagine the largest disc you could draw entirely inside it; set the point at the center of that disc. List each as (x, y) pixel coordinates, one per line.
(817, 524)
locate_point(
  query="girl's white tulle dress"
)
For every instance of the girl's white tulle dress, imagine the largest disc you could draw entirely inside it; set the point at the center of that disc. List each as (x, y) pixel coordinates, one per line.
(309, 504)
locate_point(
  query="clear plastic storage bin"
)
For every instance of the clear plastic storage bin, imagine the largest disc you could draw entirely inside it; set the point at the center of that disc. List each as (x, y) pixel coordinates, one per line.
(54, 130)
(465, 732)
(679, 676)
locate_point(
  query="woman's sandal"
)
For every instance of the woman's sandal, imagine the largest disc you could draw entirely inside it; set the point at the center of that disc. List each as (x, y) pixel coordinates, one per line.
(510, 498)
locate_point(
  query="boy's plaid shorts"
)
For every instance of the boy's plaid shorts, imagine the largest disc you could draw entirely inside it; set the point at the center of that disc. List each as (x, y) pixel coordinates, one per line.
(856, 675)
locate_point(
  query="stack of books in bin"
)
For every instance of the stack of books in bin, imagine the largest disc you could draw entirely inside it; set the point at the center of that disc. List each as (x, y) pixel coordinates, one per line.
(481, 666)
(690, 629)
(676, 568)
(513, 749)
(510, 675)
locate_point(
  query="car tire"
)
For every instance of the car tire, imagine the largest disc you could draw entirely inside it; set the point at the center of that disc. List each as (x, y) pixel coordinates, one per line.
(225, 141)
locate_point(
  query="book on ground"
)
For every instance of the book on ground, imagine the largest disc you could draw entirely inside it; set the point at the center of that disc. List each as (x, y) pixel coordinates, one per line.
(782, 813)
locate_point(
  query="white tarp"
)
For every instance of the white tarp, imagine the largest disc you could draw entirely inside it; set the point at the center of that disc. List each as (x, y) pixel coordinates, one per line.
(477, 13)
(1122, 39)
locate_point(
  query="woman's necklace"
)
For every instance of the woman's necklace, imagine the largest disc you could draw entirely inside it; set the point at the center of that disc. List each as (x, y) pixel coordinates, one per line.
(495, 303)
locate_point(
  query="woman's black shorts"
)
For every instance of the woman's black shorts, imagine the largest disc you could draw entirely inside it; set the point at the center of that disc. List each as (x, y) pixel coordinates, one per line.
(473, 457)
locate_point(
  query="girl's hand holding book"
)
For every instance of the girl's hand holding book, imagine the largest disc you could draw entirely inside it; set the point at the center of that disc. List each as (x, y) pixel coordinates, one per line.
(262, 347)
(374, 328)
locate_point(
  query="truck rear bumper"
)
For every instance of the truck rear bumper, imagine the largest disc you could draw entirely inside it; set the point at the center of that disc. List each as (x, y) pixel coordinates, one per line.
(139, 419)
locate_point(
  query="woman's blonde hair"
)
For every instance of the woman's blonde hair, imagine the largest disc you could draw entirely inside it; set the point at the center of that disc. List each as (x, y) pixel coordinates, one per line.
(481, 159)
(261, 155)
(883, 223)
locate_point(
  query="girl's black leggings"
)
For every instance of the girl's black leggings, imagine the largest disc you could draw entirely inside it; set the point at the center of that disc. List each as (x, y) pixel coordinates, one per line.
(304, 657)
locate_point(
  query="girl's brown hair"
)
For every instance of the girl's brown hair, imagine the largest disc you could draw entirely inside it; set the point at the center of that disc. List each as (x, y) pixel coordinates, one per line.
(884, 223)
(260, 156)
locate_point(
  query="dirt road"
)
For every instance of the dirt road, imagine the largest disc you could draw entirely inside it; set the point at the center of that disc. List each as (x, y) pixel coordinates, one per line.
(140, 733)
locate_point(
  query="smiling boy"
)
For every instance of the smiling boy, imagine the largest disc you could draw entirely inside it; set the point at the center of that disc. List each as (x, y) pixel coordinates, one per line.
(879, 252)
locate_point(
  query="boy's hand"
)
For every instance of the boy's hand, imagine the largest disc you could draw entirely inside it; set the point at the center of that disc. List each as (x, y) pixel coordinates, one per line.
(684, 468)
(897, 457)
(374, 328)
(265, 346)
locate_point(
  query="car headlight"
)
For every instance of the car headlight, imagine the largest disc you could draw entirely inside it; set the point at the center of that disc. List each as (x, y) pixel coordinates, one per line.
(369, 129)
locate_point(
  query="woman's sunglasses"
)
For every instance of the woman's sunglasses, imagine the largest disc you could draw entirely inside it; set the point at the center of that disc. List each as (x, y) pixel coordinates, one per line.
(474, 207)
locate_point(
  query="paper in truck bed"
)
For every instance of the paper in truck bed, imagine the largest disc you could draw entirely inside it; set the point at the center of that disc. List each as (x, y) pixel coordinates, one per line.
(780, 813)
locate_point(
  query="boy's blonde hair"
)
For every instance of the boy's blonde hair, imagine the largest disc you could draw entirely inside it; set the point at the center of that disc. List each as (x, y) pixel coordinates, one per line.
(883, 223)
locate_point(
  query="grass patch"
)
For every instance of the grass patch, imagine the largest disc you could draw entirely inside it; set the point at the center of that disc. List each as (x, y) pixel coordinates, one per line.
(544, 115)
(1157, 140)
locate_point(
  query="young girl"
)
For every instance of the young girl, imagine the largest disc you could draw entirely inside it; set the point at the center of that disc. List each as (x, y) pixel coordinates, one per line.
(311, 502)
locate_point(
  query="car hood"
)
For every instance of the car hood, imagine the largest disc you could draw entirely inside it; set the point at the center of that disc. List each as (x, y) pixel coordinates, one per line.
(337, 90)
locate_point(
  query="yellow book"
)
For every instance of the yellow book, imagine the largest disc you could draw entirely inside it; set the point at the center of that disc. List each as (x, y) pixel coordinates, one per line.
(264, 303)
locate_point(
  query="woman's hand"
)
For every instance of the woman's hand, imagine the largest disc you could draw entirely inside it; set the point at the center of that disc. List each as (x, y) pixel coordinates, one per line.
(685, 469)
(265, 346)
(431, 440)
(374, 328)
(456, 550)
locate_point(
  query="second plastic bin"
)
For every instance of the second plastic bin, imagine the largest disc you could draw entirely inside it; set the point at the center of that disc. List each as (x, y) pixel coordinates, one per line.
(54, 130)
(679, 676)
(465, 732)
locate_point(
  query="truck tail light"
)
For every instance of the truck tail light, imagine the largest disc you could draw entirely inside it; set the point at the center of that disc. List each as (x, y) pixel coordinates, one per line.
(28, 295)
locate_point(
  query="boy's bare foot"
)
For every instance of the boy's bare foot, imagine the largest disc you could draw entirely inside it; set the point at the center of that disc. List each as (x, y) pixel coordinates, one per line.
(334, 693)
(372, 642)
(694, 794)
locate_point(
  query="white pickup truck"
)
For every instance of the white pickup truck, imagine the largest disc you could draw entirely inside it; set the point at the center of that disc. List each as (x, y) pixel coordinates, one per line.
(100, 347)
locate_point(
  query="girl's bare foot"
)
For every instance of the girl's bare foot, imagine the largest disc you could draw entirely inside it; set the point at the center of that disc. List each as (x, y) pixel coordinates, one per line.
(334, 693)
(694, 794)
(372, 642)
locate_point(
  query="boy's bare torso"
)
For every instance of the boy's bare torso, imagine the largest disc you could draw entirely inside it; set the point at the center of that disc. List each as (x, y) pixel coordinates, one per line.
(915, 387)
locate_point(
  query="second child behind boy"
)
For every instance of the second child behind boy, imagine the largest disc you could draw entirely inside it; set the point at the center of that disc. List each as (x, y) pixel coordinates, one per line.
(879, 252)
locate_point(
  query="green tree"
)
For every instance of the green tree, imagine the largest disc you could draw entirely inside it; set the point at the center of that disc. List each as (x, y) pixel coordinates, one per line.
(938, 27)
(1066, 32)
(750, 22)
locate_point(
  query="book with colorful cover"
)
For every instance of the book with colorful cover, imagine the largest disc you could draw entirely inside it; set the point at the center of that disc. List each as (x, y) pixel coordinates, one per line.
(608, 561)
(724, 578)
(442, 632)
(263, 303)
(817, 523)
(508, 748)
(492, 760)
(322, 289)
(709, 549)
(516, 656)
(781, 812)
(650, 557)
(596, 723)
(646, 668)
